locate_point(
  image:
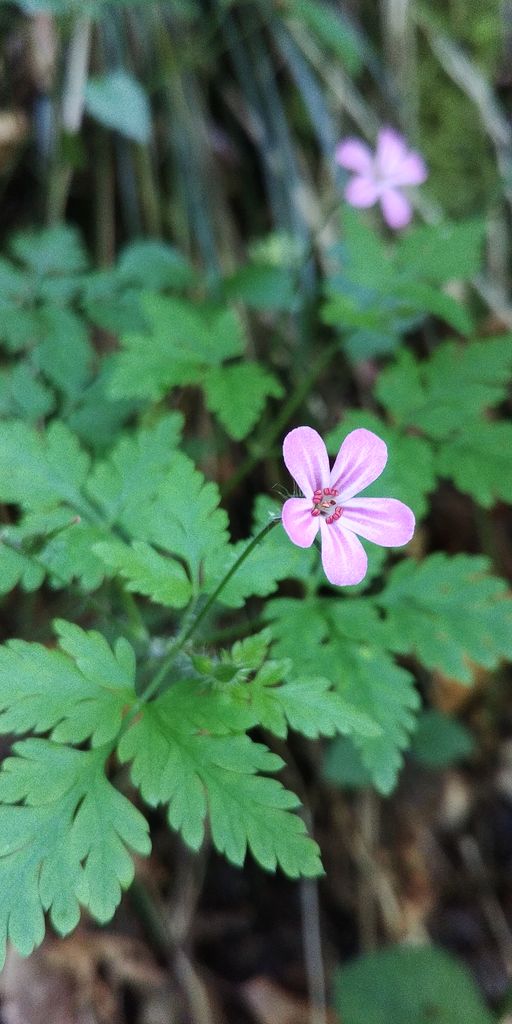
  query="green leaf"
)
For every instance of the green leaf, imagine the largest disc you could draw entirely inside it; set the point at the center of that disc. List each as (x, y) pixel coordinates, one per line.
(442, 252)
(96, 417)
(182, 343)
(130, 476)
(478, 461)
(41, 470)
(154, 265)
(448, 611)
(422, 298)
(346, 644)
(53, 252)
(118, 101)
(18, 327)
(409, 474)
(23, 395)
(262, 287)
(183, 519)
(367, 259)
(78, 691)
(440, 395)
(307, 704)
(65, 844)
(408, 986)
(49, 472)
(63, 352)
(237, 394)
(147, 572)
(277, 702)
(113, 302)
(440, 740)
(199, 775)
(17, 568)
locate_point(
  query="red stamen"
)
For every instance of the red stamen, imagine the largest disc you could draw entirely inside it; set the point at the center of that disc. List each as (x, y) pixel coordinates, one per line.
(315, 511)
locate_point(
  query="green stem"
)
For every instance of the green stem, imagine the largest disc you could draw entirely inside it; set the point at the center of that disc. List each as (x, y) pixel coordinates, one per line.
(190, 629)
(266, 442)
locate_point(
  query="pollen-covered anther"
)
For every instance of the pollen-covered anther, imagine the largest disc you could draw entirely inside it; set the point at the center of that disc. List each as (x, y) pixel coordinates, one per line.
(338, 512)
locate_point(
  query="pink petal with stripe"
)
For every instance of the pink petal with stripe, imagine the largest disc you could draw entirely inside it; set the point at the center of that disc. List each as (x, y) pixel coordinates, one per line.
(343, 556)
(384, 521)
(306, 458)
(412, 171)
(298, 522)
(354, 155)
(359, 462)
(396, 209)
(362, 192)
(390, 153)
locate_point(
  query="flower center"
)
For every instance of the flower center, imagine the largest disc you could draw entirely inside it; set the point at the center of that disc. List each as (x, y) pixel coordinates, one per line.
(324, 504)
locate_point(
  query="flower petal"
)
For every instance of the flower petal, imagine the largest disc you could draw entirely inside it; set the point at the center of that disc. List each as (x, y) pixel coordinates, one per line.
(362, 192)
(359, 462)
(298, 522)
(354, 155)
(396, 209)
(412, 171)
(343, 557)
(305, 457)
(384, 521)
(390, 153)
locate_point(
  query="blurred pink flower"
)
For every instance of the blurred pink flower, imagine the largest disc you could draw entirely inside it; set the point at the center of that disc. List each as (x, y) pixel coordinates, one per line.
(330, 504)
(379, 177)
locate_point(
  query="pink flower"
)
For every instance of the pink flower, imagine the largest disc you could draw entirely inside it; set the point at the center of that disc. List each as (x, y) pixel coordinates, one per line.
(380, 177)
(330, 504)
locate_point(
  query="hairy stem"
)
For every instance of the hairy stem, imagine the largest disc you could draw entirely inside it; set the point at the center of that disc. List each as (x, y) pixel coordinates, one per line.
(191, 628)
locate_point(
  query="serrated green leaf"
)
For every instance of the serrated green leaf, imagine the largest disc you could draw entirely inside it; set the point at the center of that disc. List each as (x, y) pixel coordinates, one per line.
(18, 327)
(96, 418)
(78, 691)
(56, 251)
(262, 287)
(65, 844)
(199, 775)
(307, 704)
(442, 252)
(151, 264)
(366, 257)
(117, 100)
(448, 611)
(42, 470)
(183, 341)
(147, 572)
(63, 352)
(440, 395)
(18, 568)
(237, 394)
(23, 395)
(346, 644)
(478, 461)
(49, 472)
(184, 519)
(408, 986)
(130, 476)
(422, 298)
